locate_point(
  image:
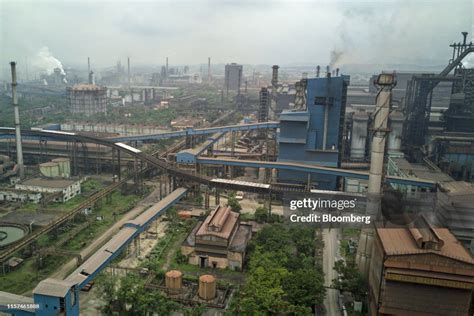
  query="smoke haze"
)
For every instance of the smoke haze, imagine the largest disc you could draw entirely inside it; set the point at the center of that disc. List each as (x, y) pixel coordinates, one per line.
(255, 32)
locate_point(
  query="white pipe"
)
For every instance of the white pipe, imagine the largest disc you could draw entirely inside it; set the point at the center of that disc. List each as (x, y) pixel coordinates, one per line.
(19, 149)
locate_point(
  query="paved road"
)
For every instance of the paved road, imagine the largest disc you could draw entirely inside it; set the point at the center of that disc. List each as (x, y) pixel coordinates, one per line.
(331, 253)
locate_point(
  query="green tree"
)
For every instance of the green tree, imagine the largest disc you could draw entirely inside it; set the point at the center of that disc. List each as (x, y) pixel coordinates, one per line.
(261, 214)
(350, 279)
(305, 287)
(232, 202)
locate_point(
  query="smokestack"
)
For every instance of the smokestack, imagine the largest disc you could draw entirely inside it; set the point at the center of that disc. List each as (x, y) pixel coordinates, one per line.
(275, 75)
(337, 72)
(385, 83)
(208, 68)
(19, 149)
(318, 69)
(167, 73)
(464, 34)
(328, 72)
(88, 65)
(128, 69)
(91, 78)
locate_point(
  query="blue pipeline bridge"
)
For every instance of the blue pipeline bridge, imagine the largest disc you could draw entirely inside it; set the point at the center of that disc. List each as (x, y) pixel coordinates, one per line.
(197, 132)
(53, 297)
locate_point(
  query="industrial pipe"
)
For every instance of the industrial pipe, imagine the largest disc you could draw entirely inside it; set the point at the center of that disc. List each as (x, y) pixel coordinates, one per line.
(19, 149)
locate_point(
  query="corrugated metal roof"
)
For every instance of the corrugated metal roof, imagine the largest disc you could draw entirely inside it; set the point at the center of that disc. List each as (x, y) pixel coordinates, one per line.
(53, 287)
(120, 238)
(399, 241)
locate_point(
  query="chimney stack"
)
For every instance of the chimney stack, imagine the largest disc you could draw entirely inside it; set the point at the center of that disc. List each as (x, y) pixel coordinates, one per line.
(167, 72)
(337, 72)
(128, 70)
(209, 69)
(275, 75)
(19, 149)
(318, 69)
(88, 65)
(328, 71)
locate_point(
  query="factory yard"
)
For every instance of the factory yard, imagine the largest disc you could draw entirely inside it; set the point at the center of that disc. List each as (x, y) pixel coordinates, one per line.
(173, 172)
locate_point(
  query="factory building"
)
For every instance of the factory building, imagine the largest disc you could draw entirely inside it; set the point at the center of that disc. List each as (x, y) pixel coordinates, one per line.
(218, 242)
(67, 188)
(420, 270)
(455, 210)
(19, 196)
(233, 77)
(314, 135)
(88, 99)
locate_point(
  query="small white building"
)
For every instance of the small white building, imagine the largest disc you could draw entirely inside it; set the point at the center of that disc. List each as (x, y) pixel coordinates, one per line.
(69, 187)
(20, 196)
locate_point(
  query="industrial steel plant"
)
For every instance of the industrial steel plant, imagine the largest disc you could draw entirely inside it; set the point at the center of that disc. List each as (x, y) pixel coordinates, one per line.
(323, 166)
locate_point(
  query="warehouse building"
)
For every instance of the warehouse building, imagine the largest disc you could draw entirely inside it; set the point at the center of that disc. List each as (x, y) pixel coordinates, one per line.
(218, 242)
(420, 270)
(68, 188)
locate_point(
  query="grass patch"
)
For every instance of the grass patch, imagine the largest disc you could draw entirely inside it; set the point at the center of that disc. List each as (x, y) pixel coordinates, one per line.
(28, 275)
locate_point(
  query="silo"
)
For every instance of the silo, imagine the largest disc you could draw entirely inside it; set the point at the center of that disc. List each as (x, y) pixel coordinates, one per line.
(174, 281)
(359, 132)
(64, 166)
(49, 169)
(396, 120)
(207, 287)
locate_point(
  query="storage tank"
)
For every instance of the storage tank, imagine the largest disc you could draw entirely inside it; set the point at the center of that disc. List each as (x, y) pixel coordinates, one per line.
(396, 120)
(49, 169)
(174, 281)
(64, 166)
(207, 287)
(359, 132)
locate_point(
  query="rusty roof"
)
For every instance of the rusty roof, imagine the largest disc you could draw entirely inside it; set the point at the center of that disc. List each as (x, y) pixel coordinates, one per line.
(400, 241)
(219, 223)
(207, 278)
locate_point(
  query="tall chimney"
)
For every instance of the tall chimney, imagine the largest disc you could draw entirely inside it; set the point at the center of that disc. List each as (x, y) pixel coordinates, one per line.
(385, 83)
(88, 65)
(337, 72)
(19, 149)
(167, 73)
(128, 72)
(208, 68)
(318, 69)
(328, 71)
(275, 75)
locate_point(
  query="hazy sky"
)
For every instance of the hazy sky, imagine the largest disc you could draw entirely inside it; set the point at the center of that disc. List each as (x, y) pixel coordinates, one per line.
(249, 31)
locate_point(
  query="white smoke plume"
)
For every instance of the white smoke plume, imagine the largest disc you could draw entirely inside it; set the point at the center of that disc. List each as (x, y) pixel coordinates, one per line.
(45, 61)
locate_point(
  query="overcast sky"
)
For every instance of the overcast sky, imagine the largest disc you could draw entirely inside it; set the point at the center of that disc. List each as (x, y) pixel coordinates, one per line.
(249, 31)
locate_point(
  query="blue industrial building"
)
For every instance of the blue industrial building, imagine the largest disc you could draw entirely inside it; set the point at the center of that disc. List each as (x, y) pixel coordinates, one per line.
(314, 135)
